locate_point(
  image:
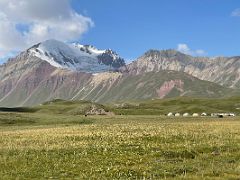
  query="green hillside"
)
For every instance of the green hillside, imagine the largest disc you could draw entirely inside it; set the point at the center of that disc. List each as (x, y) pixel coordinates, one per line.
(148, 107)
(60, 107)
(180, 104)
(147, 85)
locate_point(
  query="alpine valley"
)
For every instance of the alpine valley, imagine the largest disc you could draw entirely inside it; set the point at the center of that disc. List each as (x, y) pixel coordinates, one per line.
(56, 70)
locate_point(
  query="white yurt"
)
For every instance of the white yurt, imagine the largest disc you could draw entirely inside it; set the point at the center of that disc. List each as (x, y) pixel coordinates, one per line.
(177, 114)
(195, 115)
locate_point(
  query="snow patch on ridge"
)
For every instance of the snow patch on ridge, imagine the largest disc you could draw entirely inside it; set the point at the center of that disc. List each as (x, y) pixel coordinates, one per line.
(74, 57)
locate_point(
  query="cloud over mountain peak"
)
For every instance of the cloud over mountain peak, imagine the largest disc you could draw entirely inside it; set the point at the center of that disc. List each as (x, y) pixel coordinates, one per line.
(24, 22)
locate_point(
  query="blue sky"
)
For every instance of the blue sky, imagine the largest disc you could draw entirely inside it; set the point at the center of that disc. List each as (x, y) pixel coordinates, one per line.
(133, 27)
(130, 27)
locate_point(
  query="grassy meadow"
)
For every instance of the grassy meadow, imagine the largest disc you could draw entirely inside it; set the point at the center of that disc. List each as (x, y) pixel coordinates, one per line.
(180, 104)
(44, 145)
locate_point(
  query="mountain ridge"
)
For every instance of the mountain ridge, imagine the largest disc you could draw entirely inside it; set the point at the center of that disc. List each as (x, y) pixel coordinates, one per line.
(30, 80)
(77, 57)
(221, 70)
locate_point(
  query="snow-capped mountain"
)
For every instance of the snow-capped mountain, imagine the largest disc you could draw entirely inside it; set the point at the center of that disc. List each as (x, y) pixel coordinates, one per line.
(55, 70)
(77, 57)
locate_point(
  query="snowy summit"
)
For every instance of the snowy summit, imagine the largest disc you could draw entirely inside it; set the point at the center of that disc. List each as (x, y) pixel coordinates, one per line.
(77, 57)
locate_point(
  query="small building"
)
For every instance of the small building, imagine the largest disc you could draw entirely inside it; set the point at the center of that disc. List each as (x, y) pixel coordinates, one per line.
(185, 114)
(220, 116)
(232, 114)
(214, 114)
(195, 115)
(170, 114)
(177, 114)
(223, 114)
(204, 114)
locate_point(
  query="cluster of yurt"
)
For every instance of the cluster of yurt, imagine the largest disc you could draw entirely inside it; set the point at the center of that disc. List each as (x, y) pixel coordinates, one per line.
(223, 115)
(170, 114)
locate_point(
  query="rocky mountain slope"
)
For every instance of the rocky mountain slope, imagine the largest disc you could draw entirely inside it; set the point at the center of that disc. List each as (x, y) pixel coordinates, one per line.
(55, 70)
(44, 83)
(221, 70)
(76, 57)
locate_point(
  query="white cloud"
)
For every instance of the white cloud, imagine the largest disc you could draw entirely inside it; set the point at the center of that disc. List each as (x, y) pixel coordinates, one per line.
(42, 19)
(200, 52)
(183, 48)
(236, 12)
(186, 50)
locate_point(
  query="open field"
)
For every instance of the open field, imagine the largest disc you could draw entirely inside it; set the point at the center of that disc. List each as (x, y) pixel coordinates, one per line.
(40, 145)
(180, 104)
(147, 107)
